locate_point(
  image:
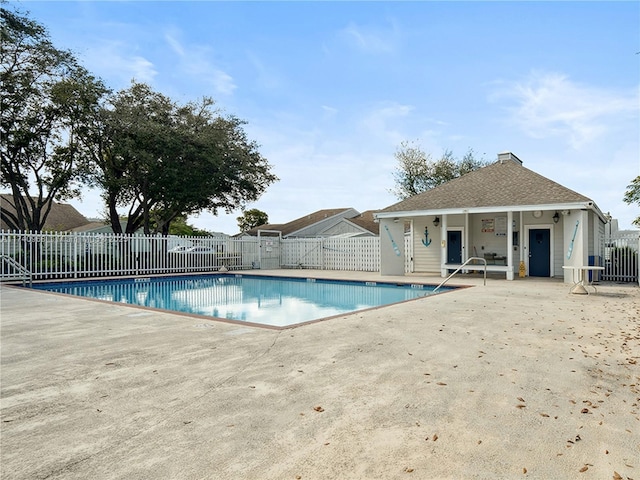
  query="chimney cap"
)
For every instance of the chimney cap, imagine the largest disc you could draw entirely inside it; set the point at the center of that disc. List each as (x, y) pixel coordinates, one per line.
(508, 156)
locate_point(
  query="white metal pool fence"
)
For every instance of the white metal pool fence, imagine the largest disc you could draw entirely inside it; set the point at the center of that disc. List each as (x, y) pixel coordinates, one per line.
(51, 255)
(619, 257)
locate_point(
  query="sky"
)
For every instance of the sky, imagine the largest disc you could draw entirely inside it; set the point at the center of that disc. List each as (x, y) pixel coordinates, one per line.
(330, 90)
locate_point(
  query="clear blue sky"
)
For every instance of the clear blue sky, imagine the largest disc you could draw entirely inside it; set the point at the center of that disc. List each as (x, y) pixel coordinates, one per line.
(331, 89)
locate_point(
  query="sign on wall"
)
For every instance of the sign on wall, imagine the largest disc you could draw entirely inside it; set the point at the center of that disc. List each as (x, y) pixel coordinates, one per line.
(488, 225)
(501, 226)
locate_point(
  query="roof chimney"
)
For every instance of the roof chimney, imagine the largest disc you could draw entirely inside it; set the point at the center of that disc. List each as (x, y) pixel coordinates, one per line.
(502, 157)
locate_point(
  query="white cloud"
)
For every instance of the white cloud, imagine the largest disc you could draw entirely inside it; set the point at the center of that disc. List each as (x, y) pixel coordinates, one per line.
(371, 40)
(116, 59)
(550, 104)
(266, 77)
(195, 61)
(386, 122)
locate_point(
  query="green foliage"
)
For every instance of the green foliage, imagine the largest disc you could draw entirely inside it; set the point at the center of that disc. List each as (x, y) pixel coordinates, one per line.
(179, 226)
(44, 102)
(159, 160)
(632, 195)
(252, 218)
(417, 172)
(157, 156)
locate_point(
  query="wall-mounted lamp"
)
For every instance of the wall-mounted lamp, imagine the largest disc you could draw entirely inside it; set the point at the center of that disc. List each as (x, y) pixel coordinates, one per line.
(436, 221)
(556, 217)
(395, 220)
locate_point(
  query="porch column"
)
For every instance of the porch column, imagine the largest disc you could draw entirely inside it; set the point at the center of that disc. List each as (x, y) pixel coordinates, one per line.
(466, 252)
(509, 245)
(443, 247)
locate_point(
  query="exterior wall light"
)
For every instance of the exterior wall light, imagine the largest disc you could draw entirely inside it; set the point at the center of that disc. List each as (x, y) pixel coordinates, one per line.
(556, 217)
(436, 221)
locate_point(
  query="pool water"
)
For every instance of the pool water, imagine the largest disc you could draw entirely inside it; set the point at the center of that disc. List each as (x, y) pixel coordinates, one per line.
(272, 301)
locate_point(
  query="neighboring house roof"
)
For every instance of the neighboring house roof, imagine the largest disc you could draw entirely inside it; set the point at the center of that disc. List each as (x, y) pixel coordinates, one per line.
(62, 216)
(367, 221)
(505, 183)
(320, 223)
(95, 227)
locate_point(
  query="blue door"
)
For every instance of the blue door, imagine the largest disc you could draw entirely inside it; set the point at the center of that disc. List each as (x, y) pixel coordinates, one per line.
(454, 246)
(539, 252)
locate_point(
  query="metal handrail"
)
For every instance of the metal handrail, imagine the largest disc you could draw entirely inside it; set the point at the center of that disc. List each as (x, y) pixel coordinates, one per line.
(26, 274)
(460, 268)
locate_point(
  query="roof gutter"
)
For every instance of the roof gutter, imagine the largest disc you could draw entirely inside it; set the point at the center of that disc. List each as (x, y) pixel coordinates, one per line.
(513, 208)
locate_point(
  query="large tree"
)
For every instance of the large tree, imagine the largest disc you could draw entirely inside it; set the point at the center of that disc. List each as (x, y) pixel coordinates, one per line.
(632, 195)
(161, 160)
(252, 218)
(45, 99)
(417, 171)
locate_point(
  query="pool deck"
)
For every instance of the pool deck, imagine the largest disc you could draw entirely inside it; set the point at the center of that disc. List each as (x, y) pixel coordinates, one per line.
(513, 379)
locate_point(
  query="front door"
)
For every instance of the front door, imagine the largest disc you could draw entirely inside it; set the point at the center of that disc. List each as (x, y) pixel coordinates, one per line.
(454, 246)
(539, 252)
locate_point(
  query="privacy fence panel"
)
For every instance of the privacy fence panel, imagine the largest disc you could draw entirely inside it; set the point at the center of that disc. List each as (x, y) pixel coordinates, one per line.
(619, 257)
(302, 253)
(354, 254)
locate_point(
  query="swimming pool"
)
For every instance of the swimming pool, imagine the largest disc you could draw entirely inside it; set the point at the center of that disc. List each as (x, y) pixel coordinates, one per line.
(256, 299)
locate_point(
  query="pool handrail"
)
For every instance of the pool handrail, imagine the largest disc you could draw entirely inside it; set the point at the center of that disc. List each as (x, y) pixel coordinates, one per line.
(460, 268)
(20, 272)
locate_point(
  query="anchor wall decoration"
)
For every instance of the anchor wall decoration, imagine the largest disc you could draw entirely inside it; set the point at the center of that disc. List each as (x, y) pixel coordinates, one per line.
(427, 241)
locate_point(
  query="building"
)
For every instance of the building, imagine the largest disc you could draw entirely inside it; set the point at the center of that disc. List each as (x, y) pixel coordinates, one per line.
(323, 223)
(505, 213)
(62, 217)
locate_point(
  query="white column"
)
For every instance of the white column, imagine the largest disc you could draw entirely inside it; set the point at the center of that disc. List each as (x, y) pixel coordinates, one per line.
(443, 246)
(509, 245)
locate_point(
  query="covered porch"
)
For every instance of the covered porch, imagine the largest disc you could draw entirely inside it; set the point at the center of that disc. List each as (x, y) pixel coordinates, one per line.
(522, 241)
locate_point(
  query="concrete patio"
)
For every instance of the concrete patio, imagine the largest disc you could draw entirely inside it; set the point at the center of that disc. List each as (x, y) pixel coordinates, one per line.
(515, 379)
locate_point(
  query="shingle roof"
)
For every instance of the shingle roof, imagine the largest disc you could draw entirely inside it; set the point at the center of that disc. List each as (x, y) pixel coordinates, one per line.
(367, 221)
(505, 183)
(62, 216)
(299, 223)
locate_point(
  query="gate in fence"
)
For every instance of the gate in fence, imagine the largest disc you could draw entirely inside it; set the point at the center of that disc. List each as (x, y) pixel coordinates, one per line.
(269, 249)
(619, 257)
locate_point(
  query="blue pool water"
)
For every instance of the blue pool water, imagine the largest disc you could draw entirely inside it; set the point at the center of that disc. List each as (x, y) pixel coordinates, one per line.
(273, 301)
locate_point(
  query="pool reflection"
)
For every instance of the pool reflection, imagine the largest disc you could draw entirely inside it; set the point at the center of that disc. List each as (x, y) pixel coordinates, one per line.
(270, 301)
